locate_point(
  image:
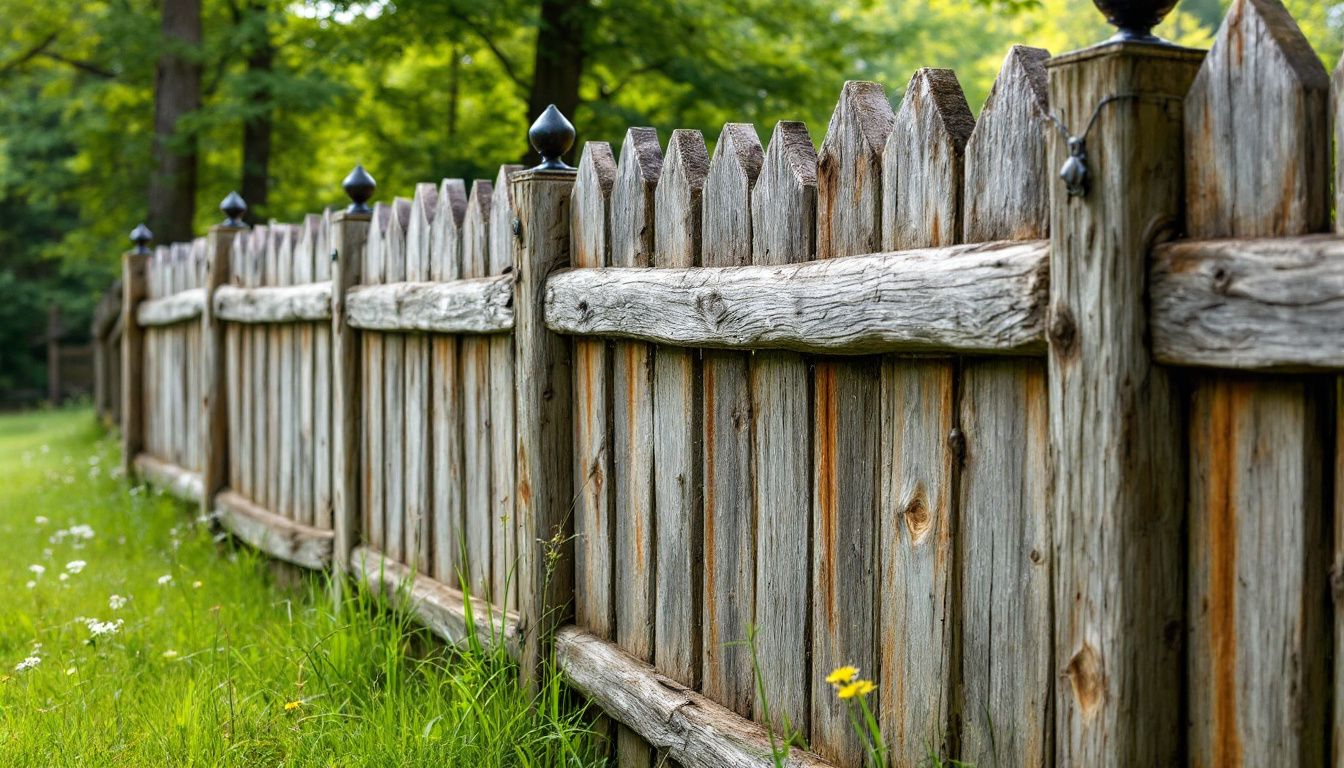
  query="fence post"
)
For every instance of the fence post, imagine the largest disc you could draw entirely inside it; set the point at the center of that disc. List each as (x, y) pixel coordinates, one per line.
(214, 405)
(133, 265)
(542, 397)
(349, 231)
(1115, 418)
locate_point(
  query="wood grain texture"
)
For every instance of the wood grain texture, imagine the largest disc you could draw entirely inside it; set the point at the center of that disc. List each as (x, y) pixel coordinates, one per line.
(543, 377)
(1007, 674)
(1257, 165)
(692, 729)
(273, 399)
(287, 394)
(783, 231)
(987, 298)
(175, 308)
(348, 234)
(446, 526)
(476, 394)
(729, 516)
(322, 385)
(304, 376)
(846, 437)
(416, 416)
(372, 388)
(276, 536)
(177, 481)
(393, 421)
(1250, 172)
(1271, 304)
(1118, 474)
(594, 526)
(503, 447)
(632, 219)
(133, 361)
(259, 371)
(213, 414)
(469, 306)
(291, 304)
(233, 354)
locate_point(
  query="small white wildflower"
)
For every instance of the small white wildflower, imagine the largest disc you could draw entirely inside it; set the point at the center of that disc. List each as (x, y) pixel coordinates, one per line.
(64, 576)
(70, 671)
(170, 654)
(81, 531)
(37, 569)
(100, 628)
(41, 520)
(116, 602)
(48, 552)
(75, 566)
(31, 584)
(165, 579)
(28, 663)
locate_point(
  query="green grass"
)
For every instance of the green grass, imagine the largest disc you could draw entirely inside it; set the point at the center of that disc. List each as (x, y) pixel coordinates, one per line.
(200, 670)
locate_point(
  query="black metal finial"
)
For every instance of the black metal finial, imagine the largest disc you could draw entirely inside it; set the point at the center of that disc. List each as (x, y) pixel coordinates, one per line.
(552, 135)
(1136, 18)
(141, 236)
(359, 185)
(233, 208)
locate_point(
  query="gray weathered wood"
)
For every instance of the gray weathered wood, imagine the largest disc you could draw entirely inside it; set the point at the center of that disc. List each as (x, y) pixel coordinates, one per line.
(305, 459)
(393, 423)
(1272, 304)
(544, 496)
(594, 524)
(985, 298)
(372, 390)
(287, 394)
(632, 217)
(214, 409)
(176, 481)
(133, 361)
(1257, 165)
(693, 729)
(503, 448)
(783, 231)
(273, 403)
(277, 536)
(1115, 446)
(446, 525)
(448, 613)
(323, 414)
(476, 433)
(845, 432)
(923, 161)
(291, 304)
(1003, 516)
(677, 415)
(729, 517)
(419, 238)
(172, 309)
(348, 233)
(476, 305)
(233, 360)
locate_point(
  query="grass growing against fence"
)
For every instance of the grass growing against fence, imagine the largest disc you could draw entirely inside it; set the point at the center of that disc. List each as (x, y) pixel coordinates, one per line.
(129, 637)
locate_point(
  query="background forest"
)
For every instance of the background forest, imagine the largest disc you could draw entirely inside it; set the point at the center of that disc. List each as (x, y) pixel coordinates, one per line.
(278, 99)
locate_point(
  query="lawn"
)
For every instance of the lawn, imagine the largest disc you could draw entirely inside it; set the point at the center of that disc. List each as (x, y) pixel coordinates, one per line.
(133, 635)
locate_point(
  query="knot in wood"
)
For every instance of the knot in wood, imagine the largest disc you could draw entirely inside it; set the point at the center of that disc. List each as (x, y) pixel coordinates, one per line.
(1063, 331)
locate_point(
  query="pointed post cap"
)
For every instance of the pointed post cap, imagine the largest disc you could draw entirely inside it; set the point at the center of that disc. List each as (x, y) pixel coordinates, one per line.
(359, 185)
(141, 237)
(552, 135)
(233, 207)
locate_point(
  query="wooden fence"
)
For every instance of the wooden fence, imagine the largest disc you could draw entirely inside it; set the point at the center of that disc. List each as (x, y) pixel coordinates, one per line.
(1057, 471)
(105, 332)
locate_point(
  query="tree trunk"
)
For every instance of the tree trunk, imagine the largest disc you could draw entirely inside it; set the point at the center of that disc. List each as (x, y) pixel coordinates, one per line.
(257, 126)
(177, 92)
(559, 62)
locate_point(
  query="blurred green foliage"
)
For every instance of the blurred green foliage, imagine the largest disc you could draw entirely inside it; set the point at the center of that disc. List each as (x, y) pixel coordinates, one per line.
(424, 89)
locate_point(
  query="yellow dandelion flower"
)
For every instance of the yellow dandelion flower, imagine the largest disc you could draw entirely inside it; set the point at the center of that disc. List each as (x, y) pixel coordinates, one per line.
(290, 706)
(857, 688)
(842, 675)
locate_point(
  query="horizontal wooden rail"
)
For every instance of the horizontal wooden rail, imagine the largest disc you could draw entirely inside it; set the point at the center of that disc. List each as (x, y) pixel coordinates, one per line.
(480, 305)
(1271, 304)
(984, 298)
(278, 537)
(447, 612)
(180, 307)
(692, 729)
(285, 304)
(176, 481)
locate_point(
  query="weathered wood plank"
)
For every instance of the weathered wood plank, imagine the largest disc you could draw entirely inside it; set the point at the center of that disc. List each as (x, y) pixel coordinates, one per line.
(258, 371)
(234, 351)
(277, 536)
(393, 422)
(783, 231)
(632, 218)
(729, 515)
(476, 394)
(175, 308)
(694, 730)
(372, 389)
(477, 305)
(1118, 475)
(348, 233)
(305, 458)
(447, 525)
(173, 479)
(923, 162)
(987, 298)
(214, 407)
(323, 461)
(1007, 662)
(1257, 165)
(419, 237)
(677, 415)
(287, 405)
(1272, 304)
(503, 447)
(292, 304)
(846, 437)
(273, 404)
(135, 359)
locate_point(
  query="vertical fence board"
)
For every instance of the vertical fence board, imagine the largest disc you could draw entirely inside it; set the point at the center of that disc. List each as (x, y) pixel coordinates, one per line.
(347, 234)
(676, 425)
(289, 397)
(445, 394)
(234, 350)
(784, 210)
(503, 451)
(215, 405)
(276, 379)
(419, 235)
(1257, 164)
(476, 393)
(729, 524)
(305, 455)
(258, 372)
(845, 431)
(134, 360)
(1004, 520)
(323, 386)
(632, 224)
(393, 422)
(372, 388)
